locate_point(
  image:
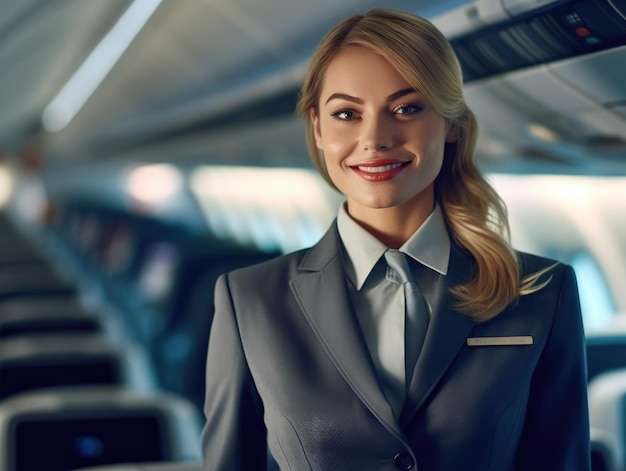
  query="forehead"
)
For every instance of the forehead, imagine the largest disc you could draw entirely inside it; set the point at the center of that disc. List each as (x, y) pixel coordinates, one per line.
(358, 70)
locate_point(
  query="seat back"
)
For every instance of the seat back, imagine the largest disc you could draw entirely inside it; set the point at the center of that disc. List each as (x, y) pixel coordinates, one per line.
(607, 416)
(179, 347)
(166, 466)
(601, 455)
(67, 321)
(35, 280)
(44, 361)
(40, 304)
(70, 428)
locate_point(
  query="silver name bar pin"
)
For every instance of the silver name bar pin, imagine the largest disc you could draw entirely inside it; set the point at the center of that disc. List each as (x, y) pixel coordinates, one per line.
(487, 341)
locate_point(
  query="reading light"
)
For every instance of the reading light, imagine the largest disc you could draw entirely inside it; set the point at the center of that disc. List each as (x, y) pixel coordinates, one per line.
(73, 96)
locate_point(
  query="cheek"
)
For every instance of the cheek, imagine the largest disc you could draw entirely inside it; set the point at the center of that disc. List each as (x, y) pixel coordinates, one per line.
(436, 138)
(336, 143)
(336, 149)
(432, 145)
(434, 162)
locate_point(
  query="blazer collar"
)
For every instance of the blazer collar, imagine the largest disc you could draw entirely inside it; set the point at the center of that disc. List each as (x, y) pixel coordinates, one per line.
(322, 294)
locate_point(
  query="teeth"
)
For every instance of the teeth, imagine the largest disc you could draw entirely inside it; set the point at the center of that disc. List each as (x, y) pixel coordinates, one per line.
(379, 169)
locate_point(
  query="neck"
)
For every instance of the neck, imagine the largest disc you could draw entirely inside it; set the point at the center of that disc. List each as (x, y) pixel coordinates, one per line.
(393, 226)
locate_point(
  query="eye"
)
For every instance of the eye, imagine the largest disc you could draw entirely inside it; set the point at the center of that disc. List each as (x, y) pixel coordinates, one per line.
(344, 115)
(408, 109)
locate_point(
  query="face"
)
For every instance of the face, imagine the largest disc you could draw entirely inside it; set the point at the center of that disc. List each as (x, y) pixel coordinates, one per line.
(382, 143)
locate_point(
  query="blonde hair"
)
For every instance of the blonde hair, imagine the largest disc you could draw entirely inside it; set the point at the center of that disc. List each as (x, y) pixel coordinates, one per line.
(475, 215)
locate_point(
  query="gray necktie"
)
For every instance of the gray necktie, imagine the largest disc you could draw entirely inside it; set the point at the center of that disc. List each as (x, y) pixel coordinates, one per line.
(415, 310)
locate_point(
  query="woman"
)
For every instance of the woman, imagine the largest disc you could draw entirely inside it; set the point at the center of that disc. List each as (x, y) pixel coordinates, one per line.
(307, 352)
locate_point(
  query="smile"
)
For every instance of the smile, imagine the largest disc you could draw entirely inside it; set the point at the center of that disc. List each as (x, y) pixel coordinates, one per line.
(382, 172)
(380, 168)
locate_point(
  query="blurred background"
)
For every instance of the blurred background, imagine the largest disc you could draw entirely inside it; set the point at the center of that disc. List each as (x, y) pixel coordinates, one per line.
(146, 146)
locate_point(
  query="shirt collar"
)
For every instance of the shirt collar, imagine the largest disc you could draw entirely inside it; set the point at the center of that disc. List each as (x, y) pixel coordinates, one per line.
(429, 245)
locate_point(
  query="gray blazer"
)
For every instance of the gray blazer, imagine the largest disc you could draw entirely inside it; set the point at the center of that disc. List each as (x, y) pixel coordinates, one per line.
(288, 366)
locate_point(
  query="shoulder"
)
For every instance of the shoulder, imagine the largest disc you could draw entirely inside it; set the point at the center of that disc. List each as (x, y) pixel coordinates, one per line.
(548, 301)
(531, 264)
(558, 281)
(259, 284)
(289, 265)
(282, 263)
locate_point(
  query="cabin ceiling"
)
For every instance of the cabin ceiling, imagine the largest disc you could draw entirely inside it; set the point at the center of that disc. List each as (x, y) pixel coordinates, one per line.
(206, 80)
(185, 62)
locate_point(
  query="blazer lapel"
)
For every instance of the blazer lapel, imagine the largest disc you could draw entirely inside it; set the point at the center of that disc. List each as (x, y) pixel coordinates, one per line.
(447, 333)
(322, 294)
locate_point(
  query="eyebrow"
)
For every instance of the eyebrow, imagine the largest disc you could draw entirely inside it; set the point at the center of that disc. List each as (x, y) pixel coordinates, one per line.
(393, 96)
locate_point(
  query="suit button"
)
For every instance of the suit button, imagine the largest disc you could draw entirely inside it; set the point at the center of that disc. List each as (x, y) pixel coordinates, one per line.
(403, 461)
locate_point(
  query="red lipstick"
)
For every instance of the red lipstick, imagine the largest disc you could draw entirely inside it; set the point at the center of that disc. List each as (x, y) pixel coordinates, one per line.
(380, 170)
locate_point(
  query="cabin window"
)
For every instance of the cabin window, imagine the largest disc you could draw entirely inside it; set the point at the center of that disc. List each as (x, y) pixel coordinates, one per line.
(595, 297)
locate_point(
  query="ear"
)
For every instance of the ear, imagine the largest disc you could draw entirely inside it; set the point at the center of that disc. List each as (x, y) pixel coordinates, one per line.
(315, 120)
(453, 133)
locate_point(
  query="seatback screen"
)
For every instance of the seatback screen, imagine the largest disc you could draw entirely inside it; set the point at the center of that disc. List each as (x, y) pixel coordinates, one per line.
(53, 444)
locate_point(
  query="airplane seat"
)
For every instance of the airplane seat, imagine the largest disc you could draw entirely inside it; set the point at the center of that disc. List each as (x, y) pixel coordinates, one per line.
(167, 466)
(116, 250)
(37, 303)
(146, 283)
(39, 361)
(17, 247)
(33, 281)
(607, 416)
(63, 239)
(118, 261)
(41, 304)
(13, 253)
(49, 321)
(194, 465)
(82, 229)
(108, 247)
(78, 427)
(37, 250)
(601, 454)
(26, 271)
(16, 252)
(122, 263)
(101, 247)
(179, 344)
(54, 314)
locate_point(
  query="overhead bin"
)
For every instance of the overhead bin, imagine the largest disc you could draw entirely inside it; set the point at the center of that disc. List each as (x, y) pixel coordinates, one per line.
(545, 78)
(493, 37)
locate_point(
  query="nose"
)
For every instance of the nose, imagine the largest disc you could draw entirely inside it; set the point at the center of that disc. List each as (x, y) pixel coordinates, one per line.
(377, 133)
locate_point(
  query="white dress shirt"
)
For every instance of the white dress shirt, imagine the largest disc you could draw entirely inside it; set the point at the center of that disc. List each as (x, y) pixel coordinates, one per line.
(377, 300)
